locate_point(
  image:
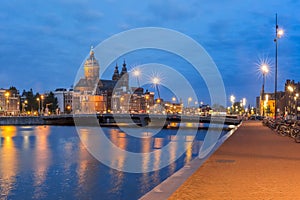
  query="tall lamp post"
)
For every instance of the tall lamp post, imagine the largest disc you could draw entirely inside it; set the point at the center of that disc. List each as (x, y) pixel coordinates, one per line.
(278, 34)
(38, 100)
(42, 102)
(264, 69)
(137, 74)
(232, 99)
(156, 82)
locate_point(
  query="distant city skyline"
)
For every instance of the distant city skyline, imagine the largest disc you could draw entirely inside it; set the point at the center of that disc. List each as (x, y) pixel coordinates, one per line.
(43, 44)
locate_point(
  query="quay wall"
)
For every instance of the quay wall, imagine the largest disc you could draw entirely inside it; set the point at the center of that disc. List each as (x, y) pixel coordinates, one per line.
(21, 120)
(108, 119)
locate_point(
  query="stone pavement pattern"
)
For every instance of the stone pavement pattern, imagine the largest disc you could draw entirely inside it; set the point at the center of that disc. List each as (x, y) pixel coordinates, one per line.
(254, 163)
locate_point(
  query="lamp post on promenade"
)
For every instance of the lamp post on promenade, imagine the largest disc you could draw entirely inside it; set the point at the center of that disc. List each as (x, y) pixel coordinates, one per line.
(264, 69)
(189, 101)
(38, 100)
(156, 81)
(232, 99)
(278, 34)
(137, 74)
(42, 102)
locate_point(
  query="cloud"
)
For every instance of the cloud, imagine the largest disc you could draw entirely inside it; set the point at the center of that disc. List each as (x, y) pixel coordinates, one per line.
(170, 11)
(89, 16)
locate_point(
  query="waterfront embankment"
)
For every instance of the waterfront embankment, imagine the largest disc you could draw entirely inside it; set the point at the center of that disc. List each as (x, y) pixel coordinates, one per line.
(21, 120)
(117, 119)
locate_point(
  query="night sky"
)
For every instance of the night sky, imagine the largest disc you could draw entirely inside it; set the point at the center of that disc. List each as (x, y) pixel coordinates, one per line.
(43, 43)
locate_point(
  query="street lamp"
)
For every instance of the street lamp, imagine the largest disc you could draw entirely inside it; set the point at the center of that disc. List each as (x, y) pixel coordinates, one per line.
(232, 99)
(189, 101)
(38, 100)
(264, 69)
(278, 34)
(156, 81)
(137, 73)
(42, 102)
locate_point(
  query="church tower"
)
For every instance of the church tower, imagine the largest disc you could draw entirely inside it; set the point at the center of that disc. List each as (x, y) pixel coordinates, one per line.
(124, 77)
(116, 75)
(91, 67)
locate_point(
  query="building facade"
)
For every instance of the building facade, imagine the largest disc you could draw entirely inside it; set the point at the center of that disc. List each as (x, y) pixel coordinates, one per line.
(288, 102)
(9, 102)
(96, 95)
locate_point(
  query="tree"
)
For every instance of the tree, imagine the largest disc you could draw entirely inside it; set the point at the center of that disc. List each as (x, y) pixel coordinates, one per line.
(218, 108)
(50, 102)
(32, 104)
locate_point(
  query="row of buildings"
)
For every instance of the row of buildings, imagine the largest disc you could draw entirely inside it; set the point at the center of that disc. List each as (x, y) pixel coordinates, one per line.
(288, 101)
(92, 95)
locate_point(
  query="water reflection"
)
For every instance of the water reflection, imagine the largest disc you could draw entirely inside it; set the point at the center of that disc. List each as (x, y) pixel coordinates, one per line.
(8, 160)
(42, 159)
(44, 162)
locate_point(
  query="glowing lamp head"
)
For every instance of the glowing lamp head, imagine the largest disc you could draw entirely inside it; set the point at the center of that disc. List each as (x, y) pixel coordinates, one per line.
(155, 80)
(264, 69)
(136, 72)
(280, 33)
(232, 98)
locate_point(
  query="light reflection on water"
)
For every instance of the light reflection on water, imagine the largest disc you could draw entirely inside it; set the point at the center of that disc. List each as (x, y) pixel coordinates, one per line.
(9, 160)
(50, 162)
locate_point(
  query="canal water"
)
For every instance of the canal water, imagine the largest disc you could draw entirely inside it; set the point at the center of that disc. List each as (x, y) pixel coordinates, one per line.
(50, 162)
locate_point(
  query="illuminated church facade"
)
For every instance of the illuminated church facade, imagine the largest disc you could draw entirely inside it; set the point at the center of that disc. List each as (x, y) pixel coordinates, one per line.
(92, 94)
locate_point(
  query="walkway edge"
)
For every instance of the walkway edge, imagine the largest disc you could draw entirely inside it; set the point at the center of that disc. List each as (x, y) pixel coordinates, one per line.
(172, 183)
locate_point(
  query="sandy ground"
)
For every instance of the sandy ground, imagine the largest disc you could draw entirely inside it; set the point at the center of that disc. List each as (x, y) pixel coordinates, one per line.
(254, 163)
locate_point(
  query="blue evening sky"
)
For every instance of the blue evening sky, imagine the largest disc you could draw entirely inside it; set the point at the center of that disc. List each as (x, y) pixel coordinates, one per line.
(43, 43)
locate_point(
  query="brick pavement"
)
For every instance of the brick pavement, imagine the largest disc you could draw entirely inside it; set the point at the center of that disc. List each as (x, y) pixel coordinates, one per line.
(254, 163)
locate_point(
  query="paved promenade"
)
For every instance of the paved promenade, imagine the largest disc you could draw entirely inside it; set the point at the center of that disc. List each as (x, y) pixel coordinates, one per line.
(254, 163)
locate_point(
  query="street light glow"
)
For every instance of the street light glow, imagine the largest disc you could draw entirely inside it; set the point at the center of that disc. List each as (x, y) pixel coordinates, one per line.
(244, 101)
(232, 98)
(136, 72)
(280, 33)
(265, 69)
(155, 80)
